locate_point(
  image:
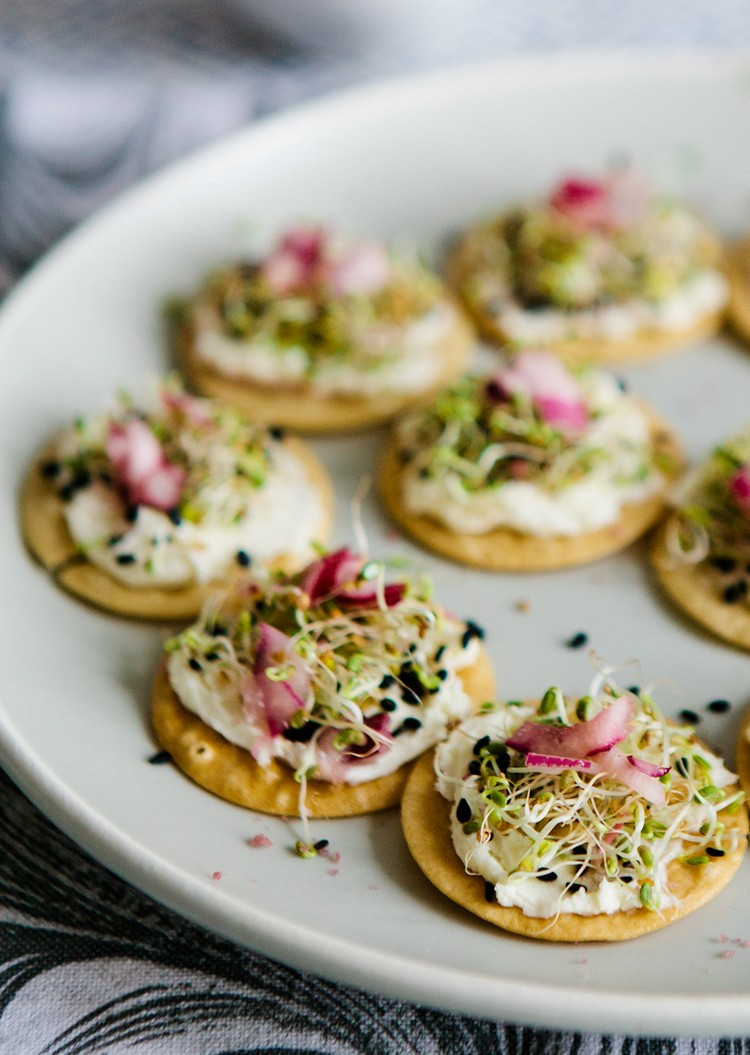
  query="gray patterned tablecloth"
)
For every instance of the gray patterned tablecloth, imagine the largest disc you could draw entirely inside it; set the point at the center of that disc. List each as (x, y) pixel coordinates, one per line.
(93, 95)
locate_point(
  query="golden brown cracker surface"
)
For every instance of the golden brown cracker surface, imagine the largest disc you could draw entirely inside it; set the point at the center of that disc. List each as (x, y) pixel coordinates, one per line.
(46, 535)
(504, 549)
(645, 345)
(738, 274)
(743, 753)
(232, 773)
(694, 589)
(425, 817)
(298, 407)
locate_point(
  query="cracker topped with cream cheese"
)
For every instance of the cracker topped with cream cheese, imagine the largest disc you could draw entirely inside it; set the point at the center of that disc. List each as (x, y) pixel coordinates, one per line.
(536, 466)
(590, 819)
(311, 693)
(601, 269)
(144, 508)
(324, 333)
(702, 552)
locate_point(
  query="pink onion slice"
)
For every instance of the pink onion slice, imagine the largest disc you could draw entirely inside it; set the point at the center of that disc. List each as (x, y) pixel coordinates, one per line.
(328, 576)
(265, 700)
(557, 763)
(739, 488)
(617, 764)
(333, 765)
(584, 201)
(367, 596)
(360, 268)
(598, 734)
(540, 377)
(649, 768)
(141, 467)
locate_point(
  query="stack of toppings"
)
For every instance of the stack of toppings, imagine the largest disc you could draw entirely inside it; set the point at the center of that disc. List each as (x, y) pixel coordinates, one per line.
(340, 674)
(580, 806)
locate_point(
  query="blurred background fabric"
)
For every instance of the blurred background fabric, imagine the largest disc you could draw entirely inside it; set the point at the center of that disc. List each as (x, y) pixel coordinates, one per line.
(94, 95)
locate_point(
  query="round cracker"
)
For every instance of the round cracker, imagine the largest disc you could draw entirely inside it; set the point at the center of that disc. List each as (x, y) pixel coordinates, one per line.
(738, 273)
(647, 344)
(425, 817)
(504, 549)
(232, 773)
(47, 537)
(299, 407)
(743, 753)
(693, 589)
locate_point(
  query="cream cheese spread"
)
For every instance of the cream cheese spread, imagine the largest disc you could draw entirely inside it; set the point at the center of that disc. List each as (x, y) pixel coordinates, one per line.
(388, 359)
(702, 295)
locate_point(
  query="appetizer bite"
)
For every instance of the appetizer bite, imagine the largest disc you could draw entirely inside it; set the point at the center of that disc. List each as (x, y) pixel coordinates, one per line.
(142, 510)
(576, 820)
(702, 551)
(324, 333)
(603, 269)
(310, 694)
(536, 466)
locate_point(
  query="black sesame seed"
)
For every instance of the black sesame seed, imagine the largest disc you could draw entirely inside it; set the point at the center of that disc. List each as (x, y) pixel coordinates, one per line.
(442, 674)
(482, 742)
(475, 767)
(578, 850)
(573, 888)
(114, 539)
(386, 681)
(125, 558)
(66, 492)
(276, 432)
(50, 469)
(411, 683)
(733, 593)
(175, 516)
(634, 689)
(243, 559)
(439, 653)
(626, 879)
(714, 851)
(217, 629)
(689, 716)
(388, 704)
(622, 384)
(211, 656)
(547, 877)
(131, 514)
(423, 474)
(718, 706)
(412, 648)
(321, 844)
(303, 735)
(463, 811)
(725, 564)
(411, 724)
(160, 758)
(194, 664)
(472, 630)
(578, 640)
(489, 893)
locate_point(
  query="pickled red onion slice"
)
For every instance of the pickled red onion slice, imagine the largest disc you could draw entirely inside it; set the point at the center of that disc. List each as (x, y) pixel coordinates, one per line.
(557, 763)
(332, 763)
(141, 466)
(269, 700)
(581, 740)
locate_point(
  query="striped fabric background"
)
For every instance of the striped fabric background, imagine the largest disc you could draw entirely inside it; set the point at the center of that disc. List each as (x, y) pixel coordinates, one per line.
(94, 94)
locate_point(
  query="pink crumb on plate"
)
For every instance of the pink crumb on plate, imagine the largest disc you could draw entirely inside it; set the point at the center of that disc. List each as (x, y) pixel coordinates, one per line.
(259, 841)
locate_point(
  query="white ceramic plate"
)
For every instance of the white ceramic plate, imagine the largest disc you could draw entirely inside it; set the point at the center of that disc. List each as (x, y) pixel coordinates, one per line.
(411, 160)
